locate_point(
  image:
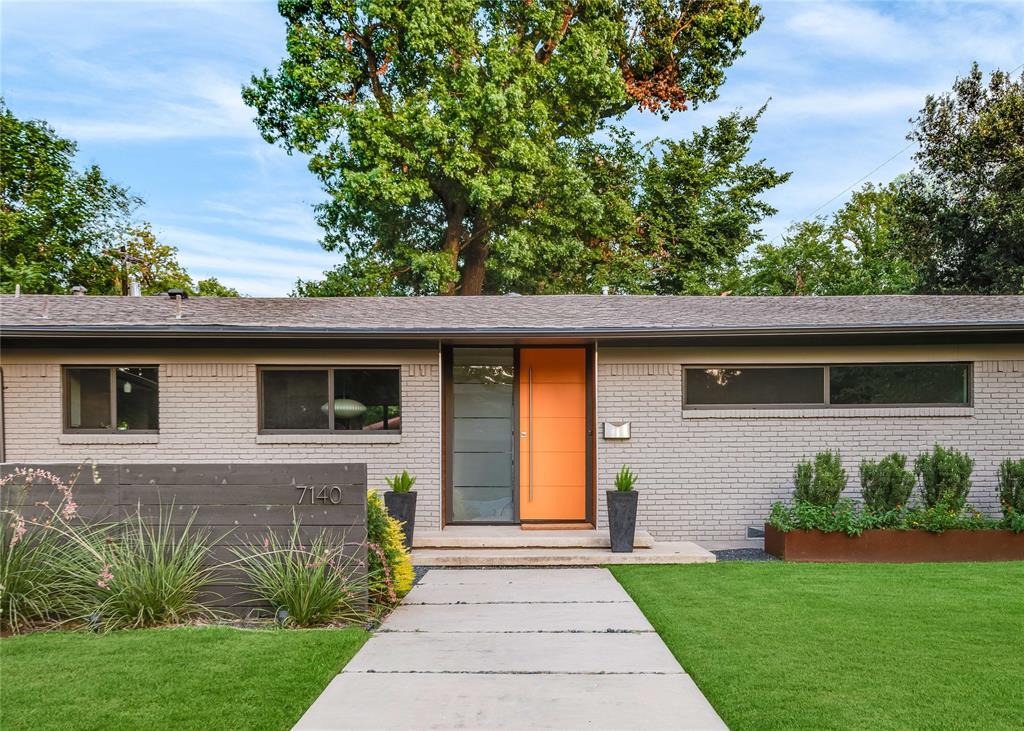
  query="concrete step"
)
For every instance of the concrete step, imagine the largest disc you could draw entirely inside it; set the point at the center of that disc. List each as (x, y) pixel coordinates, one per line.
(659, 553)
(480, 537)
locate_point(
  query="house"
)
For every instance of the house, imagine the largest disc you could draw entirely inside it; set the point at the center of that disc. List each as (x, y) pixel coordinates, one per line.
(521, 409)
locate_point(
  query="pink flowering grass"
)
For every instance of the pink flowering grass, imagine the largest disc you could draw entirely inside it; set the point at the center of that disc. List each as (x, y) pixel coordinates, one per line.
(316, 584)
(152, 572)
(46, 552)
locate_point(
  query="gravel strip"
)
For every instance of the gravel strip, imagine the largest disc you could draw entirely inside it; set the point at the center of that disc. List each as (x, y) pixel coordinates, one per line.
(743, 554)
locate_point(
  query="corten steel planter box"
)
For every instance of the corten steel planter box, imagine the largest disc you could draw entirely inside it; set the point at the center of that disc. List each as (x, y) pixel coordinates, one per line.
(622, 519)
(402, 507)
(894, 546)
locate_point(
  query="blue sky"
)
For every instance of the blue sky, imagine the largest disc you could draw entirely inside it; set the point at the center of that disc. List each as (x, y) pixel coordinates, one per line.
(150, 90)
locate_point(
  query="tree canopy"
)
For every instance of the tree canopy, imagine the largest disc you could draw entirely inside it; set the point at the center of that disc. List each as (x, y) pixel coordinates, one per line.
(442, 132)
(962, 210)
(954, 224)
(61, 227)
(856, 252)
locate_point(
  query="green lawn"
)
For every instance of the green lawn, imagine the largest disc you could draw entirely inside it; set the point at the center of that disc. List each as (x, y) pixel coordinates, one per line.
(777, 645)
(180, 678)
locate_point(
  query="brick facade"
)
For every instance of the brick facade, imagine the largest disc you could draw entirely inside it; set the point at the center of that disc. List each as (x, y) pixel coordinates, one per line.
(708, 475)
(208, 413)
(704, 475)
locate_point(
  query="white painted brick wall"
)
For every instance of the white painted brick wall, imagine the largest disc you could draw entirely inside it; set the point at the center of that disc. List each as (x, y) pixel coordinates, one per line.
(208, 413)
(705, 476)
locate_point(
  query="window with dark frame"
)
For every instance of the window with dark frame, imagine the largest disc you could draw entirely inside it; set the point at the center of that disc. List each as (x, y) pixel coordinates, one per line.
(337, 399)
(101, 399)
(828, 386)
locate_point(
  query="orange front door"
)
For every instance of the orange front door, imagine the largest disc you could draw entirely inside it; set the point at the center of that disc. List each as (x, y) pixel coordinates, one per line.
(553, 434)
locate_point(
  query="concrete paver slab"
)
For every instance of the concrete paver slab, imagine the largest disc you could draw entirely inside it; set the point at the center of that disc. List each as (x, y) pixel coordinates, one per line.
(678, 552)
(609, 617)
(514, 578)
(597, 587)
(416, 652)
(514, 649)
(405, 701)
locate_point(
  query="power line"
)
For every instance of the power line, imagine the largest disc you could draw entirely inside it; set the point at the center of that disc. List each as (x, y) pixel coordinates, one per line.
(860, 179)
(867, 175)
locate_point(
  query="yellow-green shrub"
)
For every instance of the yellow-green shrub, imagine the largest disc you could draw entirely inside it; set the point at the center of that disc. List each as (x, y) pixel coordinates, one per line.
(389, 562)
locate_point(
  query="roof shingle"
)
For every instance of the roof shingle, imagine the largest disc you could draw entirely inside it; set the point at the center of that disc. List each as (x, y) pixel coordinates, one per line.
(553, 314)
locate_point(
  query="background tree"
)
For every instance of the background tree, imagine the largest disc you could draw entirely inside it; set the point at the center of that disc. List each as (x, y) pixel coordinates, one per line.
(54, 220)
(962, 210)
(858, 251)
(440, 129)
(60, 227)
(211, 287)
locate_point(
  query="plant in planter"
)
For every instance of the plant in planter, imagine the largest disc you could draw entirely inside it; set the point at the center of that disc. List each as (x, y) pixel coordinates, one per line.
(886, 485)
(945, 478)
(622, 502)
(1011, 492)
(886, 529)
(820, 482)
(401, 503)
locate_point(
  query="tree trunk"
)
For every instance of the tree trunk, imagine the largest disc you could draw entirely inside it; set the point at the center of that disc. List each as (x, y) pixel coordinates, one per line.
(454, 233)
(474, 262)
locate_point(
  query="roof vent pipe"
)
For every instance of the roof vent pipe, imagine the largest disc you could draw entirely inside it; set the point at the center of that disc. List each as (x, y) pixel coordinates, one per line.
(78, 290)
(173, 293)
(134, 288)
(606, 290)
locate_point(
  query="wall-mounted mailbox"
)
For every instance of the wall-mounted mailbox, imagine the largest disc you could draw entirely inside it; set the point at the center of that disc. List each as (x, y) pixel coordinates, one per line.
(616, 430)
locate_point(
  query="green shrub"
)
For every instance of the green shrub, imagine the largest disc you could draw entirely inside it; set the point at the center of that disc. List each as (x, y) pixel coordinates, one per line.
(886, 485)
(150, 572)
(1011, 486)
(846, 517)
(625, 481)
(390, 575)
(945, 478)
(820, 482)
(939, 518)
(401, 483)
(843, 517)
(316, 584)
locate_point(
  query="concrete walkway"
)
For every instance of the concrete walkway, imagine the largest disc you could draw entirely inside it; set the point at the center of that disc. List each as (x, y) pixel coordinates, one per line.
(514, 649)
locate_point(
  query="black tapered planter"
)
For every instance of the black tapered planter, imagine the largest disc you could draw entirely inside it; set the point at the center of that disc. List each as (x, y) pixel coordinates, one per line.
(622, 519)
(402, 507)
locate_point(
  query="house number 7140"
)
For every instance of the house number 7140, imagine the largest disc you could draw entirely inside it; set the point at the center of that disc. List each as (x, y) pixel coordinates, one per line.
(314, 494)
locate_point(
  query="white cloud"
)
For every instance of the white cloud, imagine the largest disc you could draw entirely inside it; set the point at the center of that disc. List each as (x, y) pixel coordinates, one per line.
(266, 268)
(190, 101)
(854, 30)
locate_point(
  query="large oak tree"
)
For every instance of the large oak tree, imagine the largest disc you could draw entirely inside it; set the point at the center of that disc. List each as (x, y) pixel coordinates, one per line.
(440, 129)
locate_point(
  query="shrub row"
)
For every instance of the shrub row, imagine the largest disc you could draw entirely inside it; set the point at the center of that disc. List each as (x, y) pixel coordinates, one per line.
(887, 488)
(57, 569)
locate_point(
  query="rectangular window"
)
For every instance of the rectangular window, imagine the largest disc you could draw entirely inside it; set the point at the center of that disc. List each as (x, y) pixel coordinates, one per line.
(945, 384)
(751, 386)
(889, 384)
(360, 399)
(100, 399)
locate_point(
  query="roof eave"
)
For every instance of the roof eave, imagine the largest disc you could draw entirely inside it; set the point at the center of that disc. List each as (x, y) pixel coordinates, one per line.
(711, 331)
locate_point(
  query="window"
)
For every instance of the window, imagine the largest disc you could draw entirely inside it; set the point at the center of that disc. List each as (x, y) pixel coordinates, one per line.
(901, 384)
(745, 386)
(101, 399)
(363, 399)
(890, 384)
